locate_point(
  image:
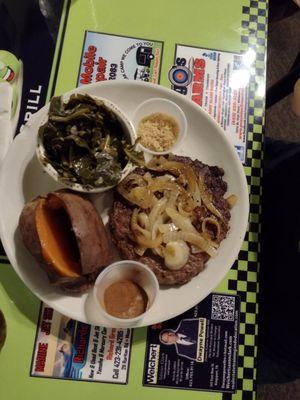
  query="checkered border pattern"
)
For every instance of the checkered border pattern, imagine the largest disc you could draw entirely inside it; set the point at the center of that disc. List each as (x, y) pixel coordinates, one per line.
(243, 275)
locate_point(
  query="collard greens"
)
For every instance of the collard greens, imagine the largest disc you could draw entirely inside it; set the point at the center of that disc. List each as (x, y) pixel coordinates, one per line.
(85, 142)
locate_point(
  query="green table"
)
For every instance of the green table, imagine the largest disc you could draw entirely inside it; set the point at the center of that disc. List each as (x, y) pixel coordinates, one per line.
(235, 27)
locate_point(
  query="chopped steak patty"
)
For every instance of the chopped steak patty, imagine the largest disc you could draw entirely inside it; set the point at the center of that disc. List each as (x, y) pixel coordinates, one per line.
(120, 218)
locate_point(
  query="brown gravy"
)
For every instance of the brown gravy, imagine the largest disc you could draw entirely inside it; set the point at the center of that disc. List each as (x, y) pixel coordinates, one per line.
(125, 299)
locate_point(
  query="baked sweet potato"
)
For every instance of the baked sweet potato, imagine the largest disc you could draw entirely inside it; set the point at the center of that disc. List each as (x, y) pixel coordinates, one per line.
(65, 234)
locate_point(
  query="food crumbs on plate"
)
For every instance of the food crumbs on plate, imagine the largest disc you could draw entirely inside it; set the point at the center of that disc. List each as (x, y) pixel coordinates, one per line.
(158, 132)
(231, 200)
(125, 299)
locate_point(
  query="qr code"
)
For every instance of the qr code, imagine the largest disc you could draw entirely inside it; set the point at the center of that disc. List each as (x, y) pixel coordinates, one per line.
(223, 308)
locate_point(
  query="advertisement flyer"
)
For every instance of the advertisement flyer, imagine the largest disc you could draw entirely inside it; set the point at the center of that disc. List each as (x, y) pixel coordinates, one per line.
(218, 81)
(198, 349)
(110, 57)
(69, 349)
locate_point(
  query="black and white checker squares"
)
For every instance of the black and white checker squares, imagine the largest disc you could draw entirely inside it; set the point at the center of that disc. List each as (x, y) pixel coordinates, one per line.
(243, 275)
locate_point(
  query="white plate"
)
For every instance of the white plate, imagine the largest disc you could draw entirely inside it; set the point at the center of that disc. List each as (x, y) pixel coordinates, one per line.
(22, 178)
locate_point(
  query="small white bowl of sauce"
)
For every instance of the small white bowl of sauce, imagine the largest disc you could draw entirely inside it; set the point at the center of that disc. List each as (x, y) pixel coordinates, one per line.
(160, 126)
(125, 291)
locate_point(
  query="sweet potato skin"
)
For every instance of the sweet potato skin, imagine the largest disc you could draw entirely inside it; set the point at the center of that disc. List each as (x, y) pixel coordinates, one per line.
(30, 237)
(90, 234)
(88, 229)
(27, 226)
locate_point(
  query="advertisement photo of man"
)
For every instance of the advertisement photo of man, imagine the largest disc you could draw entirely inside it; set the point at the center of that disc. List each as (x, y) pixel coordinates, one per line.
(184, 338)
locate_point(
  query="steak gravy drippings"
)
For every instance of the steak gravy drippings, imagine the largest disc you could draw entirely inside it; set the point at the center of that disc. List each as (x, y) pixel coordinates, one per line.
(125, 299)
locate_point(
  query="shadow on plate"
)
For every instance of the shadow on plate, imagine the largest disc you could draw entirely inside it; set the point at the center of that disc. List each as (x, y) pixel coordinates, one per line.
(36, 181)
(31, 271)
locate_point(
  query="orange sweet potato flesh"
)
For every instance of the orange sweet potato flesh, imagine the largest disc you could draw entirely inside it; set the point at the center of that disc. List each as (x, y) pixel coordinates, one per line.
(65, 234)
(59, 247)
